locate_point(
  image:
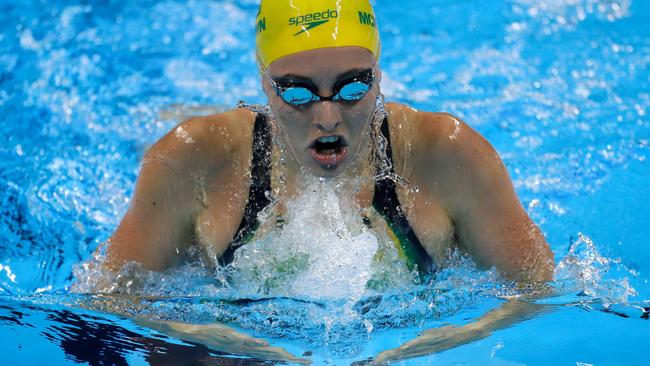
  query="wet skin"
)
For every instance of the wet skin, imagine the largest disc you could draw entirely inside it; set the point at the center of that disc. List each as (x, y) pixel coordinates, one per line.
(191, 193)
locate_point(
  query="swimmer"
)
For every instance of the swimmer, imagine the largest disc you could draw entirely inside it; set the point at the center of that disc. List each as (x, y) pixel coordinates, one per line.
(203, 184)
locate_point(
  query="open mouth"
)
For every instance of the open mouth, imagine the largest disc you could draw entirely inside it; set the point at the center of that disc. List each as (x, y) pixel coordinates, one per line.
(329, 151)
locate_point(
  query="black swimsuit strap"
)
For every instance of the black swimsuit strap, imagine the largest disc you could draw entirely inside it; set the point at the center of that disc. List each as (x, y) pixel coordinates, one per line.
(385, 199)
(387, 204)
(259, 189)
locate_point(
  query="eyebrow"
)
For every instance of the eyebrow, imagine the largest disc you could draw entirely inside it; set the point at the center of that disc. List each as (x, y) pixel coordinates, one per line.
(309, 81)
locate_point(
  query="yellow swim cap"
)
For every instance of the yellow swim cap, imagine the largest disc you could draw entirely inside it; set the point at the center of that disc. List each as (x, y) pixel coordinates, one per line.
(285, 27)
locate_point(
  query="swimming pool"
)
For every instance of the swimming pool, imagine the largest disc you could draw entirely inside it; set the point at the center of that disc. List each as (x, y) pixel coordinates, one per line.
(560, 88)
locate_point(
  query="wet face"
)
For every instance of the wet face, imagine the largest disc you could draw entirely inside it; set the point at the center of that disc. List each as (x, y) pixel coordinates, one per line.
(325, 137)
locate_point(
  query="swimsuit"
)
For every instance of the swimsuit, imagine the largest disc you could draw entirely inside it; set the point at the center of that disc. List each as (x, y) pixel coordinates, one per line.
(385, 202)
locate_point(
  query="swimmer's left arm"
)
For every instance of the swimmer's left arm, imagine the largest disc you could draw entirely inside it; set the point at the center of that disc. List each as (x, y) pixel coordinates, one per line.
(465, 170)
(491, 224)
(444, 338)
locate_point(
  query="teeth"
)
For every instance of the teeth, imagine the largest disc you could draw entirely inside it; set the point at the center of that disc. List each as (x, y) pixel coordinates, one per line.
(328, 139)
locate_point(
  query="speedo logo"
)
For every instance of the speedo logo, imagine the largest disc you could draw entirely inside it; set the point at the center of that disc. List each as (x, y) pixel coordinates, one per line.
(313, 20)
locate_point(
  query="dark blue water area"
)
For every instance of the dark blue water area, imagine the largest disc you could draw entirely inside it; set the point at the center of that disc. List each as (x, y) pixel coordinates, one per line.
(561, 89)
(57, 335)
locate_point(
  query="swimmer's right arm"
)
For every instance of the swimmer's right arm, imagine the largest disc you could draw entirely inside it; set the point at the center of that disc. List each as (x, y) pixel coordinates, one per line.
(222, 338)
(157, 226)
(157, 229)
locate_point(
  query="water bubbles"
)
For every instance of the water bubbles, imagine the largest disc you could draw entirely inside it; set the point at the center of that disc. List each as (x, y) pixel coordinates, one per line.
(256, 108)
(557, 208)
(380, 146)
(342, 334)
(319, 253)
(8, 273)
(585, 270)
(641, 111)
(571, 118)
(529, 142)
(556, 16)
(181, 133)
(28, 42)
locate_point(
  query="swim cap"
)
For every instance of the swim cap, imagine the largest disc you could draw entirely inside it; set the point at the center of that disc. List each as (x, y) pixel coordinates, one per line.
(285, 27)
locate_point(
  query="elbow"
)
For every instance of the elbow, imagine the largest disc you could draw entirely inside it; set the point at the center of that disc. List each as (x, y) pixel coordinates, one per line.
(538, 264)
(537, 267)
(546, 268)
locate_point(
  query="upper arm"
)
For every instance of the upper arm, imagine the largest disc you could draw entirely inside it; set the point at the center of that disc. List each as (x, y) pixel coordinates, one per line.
(491, 224)
(157, 229)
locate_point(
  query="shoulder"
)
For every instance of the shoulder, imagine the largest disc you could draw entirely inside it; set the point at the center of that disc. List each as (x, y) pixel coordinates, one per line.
(207, 141)
(440, 137)
(433, 133)
(446, 151)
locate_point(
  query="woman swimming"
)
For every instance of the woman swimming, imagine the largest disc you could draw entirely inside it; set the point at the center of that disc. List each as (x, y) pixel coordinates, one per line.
(204, 184)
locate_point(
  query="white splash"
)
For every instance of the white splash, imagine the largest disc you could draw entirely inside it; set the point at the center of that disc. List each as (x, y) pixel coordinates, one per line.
(585, 269)
(10, 275)
(323, 251)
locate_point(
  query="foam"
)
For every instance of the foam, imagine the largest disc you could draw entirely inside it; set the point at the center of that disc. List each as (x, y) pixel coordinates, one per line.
(323, 251)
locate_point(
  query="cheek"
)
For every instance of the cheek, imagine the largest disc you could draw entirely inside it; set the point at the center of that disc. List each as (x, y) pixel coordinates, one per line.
(291, 122)
(360, 114)
(294, 131)
(365, 106)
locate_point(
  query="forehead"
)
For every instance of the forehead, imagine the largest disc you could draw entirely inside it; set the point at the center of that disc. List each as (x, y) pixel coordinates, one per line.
(323, 63)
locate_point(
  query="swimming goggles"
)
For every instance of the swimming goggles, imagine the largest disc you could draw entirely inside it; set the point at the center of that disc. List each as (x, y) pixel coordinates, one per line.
(299, 93)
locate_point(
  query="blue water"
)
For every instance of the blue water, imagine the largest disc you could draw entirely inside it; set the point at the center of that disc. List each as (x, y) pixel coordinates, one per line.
(560, 88)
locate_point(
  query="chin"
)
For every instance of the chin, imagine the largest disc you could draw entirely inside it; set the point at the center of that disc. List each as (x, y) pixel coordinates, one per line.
(326, 171)
(322, 170)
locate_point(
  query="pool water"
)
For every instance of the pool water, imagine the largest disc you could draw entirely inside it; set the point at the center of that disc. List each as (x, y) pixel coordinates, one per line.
(560, 88)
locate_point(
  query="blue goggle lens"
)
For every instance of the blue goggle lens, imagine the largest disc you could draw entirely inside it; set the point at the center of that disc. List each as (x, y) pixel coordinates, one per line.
(298, 96)
(353, 91)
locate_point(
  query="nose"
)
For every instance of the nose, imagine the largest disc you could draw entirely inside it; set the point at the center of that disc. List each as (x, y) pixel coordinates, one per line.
(327, 116)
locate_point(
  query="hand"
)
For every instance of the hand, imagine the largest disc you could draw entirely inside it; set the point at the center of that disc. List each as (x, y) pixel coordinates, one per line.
(432, 341)
(222, 338)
